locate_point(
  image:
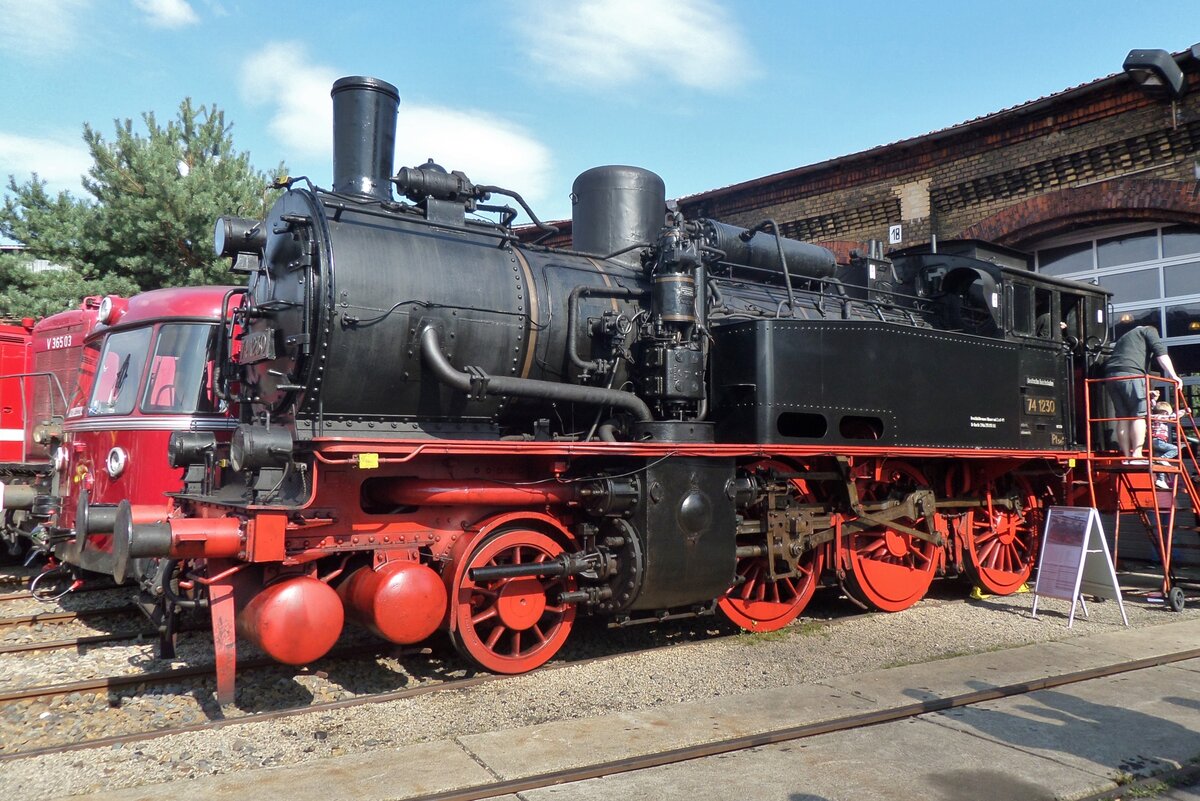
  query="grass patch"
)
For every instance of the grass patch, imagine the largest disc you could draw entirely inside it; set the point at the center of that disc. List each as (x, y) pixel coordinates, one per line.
(805, 628)
(1148, 790)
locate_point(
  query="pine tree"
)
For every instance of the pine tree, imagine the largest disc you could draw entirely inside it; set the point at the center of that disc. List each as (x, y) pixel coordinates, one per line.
(29, 294)
(154, 198)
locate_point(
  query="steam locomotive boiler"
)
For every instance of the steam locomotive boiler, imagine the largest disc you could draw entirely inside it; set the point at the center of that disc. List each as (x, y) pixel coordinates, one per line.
(444, 427)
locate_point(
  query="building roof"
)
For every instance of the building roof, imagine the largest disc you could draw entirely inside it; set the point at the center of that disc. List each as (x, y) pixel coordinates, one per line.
(1115, 81)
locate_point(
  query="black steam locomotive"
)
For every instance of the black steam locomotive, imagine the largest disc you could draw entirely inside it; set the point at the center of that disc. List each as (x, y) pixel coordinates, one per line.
(444, 426)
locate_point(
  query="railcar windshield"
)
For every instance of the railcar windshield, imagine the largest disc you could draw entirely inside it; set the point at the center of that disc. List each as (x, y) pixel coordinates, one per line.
(178, 370)
(120, 372)
(174, 358)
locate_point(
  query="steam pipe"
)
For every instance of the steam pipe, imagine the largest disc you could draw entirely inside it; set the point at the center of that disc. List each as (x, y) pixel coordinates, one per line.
(748, 234)
(573, 317)
(433, 492)
(435, 360)
(546, 228)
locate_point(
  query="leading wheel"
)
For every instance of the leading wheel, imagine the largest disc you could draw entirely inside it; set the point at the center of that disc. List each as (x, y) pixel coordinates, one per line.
(756, 602)
(890, 570)
(1001, 545)
(515, 624)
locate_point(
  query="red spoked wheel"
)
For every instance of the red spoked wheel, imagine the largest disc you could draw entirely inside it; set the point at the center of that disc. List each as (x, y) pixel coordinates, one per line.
(516, 624)
(759, 603)
(1001, 545)
(890, 570)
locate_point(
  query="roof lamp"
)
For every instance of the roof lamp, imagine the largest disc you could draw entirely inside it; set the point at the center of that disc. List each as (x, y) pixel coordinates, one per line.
(1156, 73)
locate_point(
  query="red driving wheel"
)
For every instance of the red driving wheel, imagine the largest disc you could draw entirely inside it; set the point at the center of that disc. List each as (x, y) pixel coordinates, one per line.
(756, 602)
(1001, 545)
(890, 570)
(515, 624)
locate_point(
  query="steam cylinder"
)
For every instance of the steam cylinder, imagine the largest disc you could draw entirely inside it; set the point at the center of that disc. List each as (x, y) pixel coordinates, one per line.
(615, 207)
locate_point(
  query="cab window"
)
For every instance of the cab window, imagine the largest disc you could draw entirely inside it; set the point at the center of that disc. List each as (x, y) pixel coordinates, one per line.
(178, 379)
(120, 372)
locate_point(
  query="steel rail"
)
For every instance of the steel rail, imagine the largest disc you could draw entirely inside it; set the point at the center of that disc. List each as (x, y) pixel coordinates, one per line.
(328, 706)
(97, 639)
(732, 744)
(155, 677)
(64, 617)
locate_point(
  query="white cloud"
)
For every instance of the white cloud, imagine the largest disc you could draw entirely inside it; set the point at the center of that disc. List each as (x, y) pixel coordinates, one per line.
(60, 161)
(603, 44)
(489, 149)
(167, 13)
(302, 112)
(41, 30)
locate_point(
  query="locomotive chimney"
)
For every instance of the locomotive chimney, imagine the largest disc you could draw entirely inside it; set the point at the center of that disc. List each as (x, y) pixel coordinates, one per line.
(615, 207)
(364, 136)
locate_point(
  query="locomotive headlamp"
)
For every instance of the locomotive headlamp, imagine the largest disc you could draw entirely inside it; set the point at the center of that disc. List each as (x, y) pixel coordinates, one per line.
(105, 314)
(189, 447)
(1156, 73)
(116, 462)
(253, 447)
(234, 235)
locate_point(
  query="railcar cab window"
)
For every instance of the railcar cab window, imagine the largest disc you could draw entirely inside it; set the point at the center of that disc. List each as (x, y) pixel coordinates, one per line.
(176, 381)
(120, 372)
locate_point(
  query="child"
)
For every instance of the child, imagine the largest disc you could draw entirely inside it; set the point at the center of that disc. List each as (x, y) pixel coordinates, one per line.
(1160, 436)
(1160, 432)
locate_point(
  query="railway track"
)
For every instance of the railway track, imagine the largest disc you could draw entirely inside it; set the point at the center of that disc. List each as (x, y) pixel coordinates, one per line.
(65, 617)
(311, 715)
(843, 724)
(76, 642)
(157, 678)
(122, 684)
(124, 688)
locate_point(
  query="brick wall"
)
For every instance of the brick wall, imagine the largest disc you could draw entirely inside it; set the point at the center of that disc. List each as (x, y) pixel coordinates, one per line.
(1098, 153)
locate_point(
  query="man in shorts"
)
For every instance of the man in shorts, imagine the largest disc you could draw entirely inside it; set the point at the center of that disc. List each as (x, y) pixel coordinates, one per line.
(1131, 356)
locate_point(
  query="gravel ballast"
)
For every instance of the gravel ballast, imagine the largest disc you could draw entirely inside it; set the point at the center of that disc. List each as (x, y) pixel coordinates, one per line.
(696, 660)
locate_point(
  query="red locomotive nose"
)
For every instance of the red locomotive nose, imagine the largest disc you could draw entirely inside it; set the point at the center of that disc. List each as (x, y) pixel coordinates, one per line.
(402, 602)
(296, 621)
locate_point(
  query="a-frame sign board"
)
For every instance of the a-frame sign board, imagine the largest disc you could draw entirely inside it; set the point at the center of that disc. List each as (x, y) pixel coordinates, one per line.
(1075, 560)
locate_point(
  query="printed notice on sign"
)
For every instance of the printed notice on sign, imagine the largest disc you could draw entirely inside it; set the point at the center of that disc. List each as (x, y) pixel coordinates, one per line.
(1073, 546)
(1062, 551)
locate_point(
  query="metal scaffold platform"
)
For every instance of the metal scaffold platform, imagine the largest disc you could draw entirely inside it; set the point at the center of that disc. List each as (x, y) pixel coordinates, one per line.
(1158, 492)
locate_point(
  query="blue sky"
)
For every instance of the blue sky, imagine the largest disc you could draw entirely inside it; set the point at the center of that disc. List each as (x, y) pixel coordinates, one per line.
(526, 94)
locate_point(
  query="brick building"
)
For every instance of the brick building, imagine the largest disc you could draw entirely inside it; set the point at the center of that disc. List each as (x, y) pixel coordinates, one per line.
(1099, 182)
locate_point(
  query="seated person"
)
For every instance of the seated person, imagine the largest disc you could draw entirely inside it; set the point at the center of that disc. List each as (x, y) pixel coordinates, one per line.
(1161, 421)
